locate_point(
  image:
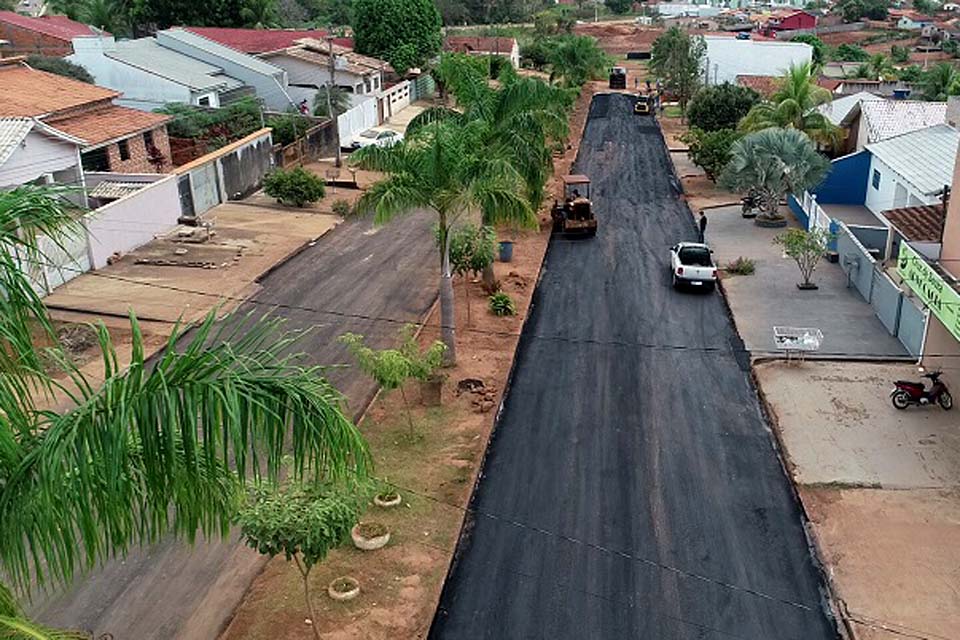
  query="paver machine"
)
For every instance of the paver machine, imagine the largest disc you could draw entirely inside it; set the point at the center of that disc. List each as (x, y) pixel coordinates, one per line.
(618, 78)
(576, 215)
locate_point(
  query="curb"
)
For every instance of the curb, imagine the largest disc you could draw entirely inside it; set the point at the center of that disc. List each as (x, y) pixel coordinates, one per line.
(293, 254)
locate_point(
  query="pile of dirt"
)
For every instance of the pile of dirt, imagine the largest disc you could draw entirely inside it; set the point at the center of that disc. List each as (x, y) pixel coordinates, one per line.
(484, 397)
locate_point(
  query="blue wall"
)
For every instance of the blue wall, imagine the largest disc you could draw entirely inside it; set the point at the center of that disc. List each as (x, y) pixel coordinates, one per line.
(798, 211)
(847, 181)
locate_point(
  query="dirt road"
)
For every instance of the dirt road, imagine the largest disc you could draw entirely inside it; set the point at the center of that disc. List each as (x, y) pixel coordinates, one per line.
(172, 590)
(631, 487)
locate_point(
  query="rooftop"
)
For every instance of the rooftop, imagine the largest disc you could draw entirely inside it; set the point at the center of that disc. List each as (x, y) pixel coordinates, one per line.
(262, 40)
(60, 27)
(28, 92)
(318, 52)
(148, 55)
(925, 157)
(889, 118)
(766, 86)
(100, 126)
(13, 131)
(465, 44)
(837, 109)
(215, 48)
(918, 224)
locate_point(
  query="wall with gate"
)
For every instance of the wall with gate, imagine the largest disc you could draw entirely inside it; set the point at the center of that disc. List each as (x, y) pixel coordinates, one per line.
(229, 173)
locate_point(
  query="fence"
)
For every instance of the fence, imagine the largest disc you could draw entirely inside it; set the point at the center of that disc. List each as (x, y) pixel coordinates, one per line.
(229, 173)
(898, 314)
(356, 120)
(316, 142)
(812, 214)
(837, 28)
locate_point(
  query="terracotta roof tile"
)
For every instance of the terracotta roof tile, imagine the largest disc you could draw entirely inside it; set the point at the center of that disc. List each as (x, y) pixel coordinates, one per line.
(919, 224)
(60, 27)
(29, 92)
(766, 86)
(262, 40)
(111, 123)
(465, 44)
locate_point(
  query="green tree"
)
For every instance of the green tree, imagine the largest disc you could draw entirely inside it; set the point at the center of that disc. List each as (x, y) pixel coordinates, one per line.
(851, 53)
(710, 150)
(444, 169)
(806, 248)
(61, 67)
(678, 58)
(794, 105)
(574, 60)
(928, 7)
(162, 445)
(819, 48)
(773, 162)
(900, 55)
(259, 14)
(405, 32)
(303, 523)
(876, 9)
(720, 106)
(913, 73)
(619, 7)
(940, 82)
(879, 67)
(852, 10)
(161, 14)
(555, 21)
(472, 251)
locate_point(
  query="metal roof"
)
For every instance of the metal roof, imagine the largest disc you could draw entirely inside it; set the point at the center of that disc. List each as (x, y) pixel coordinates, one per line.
(13, 131)
(146, 54)
(837, 109)
(925, 157)
(221, 51)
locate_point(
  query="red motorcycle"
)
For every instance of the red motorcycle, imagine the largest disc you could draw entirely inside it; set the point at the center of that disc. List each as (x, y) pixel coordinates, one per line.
(906, 393)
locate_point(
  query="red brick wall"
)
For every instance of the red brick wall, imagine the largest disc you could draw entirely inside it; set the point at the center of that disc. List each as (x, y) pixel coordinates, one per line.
(139, 160)
(25, 42)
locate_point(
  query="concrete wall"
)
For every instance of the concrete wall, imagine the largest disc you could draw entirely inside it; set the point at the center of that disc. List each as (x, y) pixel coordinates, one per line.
(835, 28)
(357, 120)
(950, 253)
(893, 190)
(728, 57)
(847, 181)
(125, 224)
(24, 42)
(942, 351)
(871, 237)
(856, 262)
(38, 155)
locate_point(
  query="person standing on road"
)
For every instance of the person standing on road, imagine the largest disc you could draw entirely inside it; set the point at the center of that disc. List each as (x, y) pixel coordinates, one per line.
(703, 227)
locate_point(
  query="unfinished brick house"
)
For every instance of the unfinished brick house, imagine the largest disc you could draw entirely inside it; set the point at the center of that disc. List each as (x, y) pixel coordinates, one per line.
(115, 138)
(47, 35)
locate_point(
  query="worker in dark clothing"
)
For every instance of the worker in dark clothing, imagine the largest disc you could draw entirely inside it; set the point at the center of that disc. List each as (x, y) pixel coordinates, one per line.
(703, 227)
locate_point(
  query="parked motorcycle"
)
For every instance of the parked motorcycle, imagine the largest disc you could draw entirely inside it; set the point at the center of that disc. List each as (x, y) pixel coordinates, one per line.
(906, 393)
(748, 203)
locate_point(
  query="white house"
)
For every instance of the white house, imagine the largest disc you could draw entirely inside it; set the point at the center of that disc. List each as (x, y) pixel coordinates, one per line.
(912, 21)
(31, 151)
(308, 65)
(728, 57)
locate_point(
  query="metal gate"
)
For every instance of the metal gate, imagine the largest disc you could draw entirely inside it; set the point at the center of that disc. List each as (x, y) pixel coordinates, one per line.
(204, 187)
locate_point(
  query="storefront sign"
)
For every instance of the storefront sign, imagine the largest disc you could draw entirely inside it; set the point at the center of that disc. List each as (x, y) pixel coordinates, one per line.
(942, 299)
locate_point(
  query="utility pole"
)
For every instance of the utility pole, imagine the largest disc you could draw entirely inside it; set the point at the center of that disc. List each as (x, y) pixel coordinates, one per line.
(334, 116)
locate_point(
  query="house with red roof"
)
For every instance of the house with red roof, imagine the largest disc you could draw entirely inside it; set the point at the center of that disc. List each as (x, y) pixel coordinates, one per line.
(46, 35)
(480, 46)
(259, 41)
(790, 20)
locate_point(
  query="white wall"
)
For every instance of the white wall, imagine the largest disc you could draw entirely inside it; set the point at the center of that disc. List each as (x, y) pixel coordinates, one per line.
(141, 90)
(886, 197)
(125, 224)
(303, 72)
(728, 57)
(38, 155)
(357, 120)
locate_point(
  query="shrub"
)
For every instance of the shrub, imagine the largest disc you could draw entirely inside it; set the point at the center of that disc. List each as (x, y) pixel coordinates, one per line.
(61, 67)
(710, 150)
(342, 208)
(287, 128)
(501, 304)
(741, 267)
(899, 54)
(720, 106)
(851, 53)
(294, 186)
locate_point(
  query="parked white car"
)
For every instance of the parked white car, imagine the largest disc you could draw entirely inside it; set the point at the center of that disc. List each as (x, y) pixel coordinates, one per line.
(377, 137)
(692, 263)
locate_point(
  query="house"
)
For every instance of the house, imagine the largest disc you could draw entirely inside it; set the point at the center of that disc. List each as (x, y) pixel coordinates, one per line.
(837, 111)
(46, 35)
(260, 41)
(728, 57)
(873, 120)
(111, 137)
(766, 86)
(913, 21)
(789, 20)
(481, 46)
(33, 152)
(308, 64)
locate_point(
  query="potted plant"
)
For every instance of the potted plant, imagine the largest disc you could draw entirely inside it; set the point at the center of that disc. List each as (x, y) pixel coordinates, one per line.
(370, 536)
(343, 588)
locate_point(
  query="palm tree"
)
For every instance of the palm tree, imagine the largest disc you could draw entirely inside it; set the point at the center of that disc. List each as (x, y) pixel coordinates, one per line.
(879, 67)
(794, 106)
(940, 82)
(576, 59)
(774, 162)
(444, 168)
(339, 101)
(161, 445)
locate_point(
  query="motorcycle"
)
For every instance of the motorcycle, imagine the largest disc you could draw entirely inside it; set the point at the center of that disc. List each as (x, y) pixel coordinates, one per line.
(906, 393)
(748, 203)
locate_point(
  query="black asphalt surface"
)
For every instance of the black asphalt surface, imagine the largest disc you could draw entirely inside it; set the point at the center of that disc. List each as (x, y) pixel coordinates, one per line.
(630, 491)
(360, 273)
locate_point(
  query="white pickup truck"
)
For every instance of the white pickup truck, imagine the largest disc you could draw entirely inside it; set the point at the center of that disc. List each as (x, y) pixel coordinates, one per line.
(692, 263)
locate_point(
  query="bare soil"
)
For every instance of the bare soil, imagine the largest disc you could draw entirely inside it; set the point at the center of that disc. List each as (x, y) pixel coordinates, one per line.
(434, 470)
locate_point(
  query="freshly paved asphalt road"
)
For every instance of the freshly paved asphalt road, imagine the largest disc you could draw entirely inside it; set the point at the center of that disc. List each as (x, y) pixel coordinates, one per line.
(612, 457)
(172, 590)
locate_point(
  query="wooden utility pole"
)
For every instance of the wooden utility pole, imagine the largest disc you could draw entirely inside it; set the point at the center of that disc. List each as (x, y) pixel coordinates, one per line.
(334, 116)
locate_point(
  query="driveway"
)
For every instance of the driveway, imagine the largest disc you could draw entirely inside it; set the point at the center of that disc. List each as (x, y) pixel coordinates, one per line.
(770, 297)
(173, 590)
(631, 489)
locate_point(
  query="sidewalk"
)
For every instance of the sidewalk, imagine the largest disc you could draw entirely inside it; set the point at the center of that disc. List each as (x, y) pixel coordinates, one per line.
(881, 488)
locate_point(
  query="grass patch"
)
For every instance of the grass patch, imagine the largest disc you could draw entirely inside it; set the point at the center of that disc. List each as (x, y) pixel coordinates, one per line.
(741, 267)
(673, 111)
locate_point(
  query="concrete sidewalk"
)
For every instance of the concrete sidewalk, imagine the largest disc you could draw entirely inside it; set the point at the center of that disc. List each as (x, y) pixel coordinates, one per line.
(770, 297)
(882, 490)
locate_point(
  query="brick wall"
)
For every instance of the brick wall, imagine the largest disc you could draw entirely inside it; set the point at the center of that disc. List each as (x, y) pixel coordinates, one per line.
(138, 160)
(25, 42)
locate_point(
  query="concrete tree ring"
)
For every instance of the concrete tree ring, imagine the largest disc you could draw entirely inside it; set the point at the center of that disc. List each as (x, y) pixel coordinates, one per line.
(343, 588)
(368, 544)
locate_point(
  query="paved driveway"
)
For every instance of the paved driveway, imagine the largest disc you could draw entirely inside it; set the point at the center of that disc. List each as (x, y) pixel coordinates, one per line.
(631, 485)
(172, 590)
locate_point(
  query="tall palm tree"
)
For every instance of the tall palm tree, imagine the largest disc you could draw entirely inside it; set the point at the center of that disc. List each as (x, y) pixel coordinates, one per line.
(940, 82)
(879, 67)
(576, 59)
(161, 445)
(339, 101)
(774, 162)
(445, 169)
(794, 105)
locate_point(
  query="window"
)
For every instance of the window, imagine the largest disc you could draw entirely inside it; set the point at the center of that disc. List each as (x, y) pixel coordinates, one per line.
(124, 148)
(204, 101)
(876, 179)
(96, 160)
(148, 139)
